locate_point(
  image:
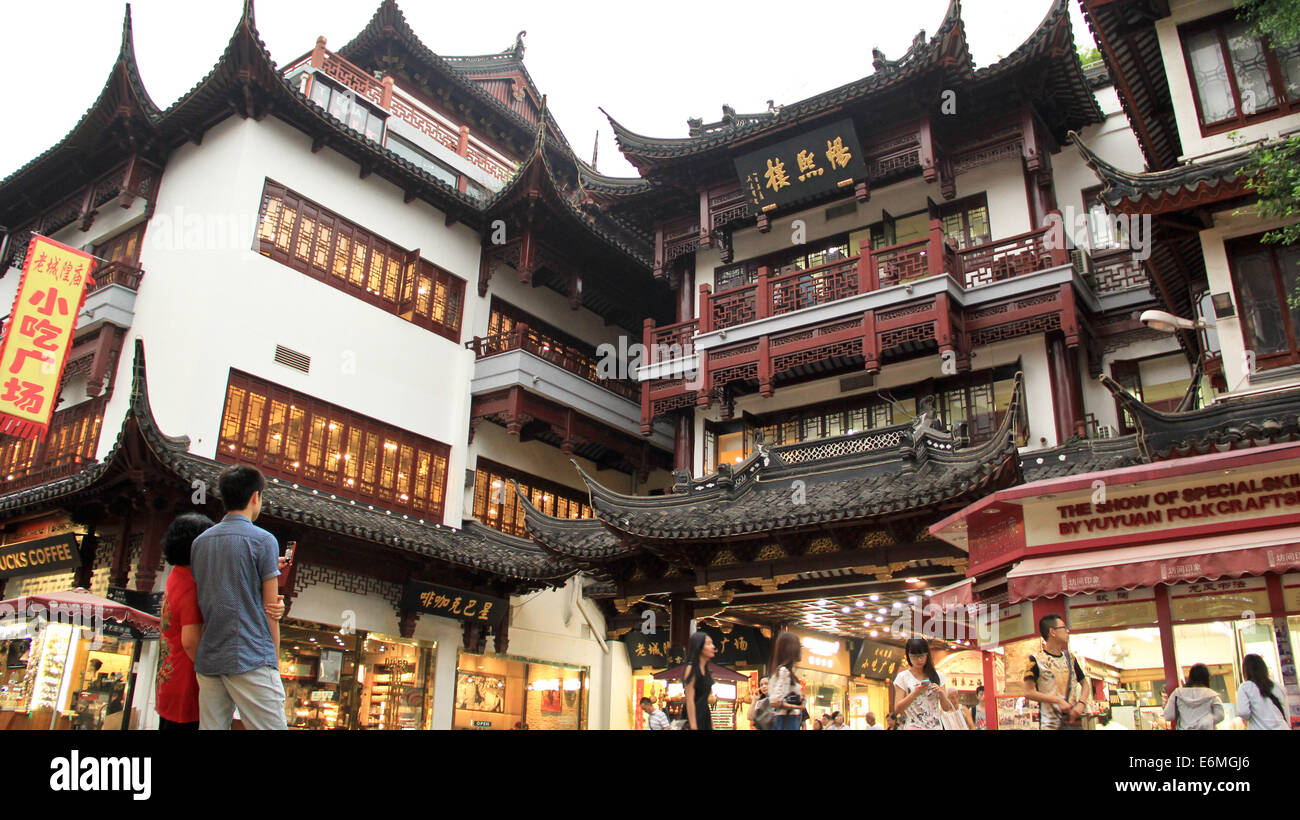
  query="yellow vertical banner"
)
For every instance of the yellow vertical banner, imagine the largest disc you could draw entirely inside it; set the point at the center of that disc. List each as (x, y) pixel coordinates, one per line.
(38, 336)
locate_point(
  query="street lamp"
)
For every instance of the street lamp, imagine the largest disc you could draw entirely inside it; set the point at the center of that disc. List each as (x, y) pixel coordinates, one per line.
(1168, 323)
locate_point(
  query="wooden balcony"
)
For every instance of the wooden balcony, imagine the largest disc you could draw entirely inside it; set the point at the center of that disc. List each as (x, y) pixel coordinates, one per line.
(579, 362)
(68, 448)
(864, 331)
(383, 95)
(117, 273)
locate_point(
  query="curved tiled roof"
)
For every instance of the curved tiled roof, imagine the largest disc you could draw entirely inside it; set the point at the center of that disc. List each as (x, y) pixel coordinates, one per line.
(1130, 46)
(1088, 456)
(537, 168)
(1228, 424)
(1066, 93)
(123, 105)
(388, 24)
(883, 472)
(1154, 192)
(474, 547)
(577, 539)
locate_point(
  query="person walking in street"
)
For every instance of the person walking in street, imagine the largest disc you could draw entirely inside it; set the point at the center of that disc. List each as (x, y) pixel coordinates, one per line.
(1194, 705)
(1260, 702)
(1054, 678)
(921, 692)
(235, 566)
(655, 718)
(177, 700)
(698, 682)
(785, 690)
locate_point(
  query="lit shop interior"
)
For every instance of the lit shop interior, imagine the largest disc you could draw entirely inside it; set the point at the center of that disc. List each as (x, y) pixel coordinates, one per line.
(1126, 666)
(360, 680)
(62, 678)
(506, 692)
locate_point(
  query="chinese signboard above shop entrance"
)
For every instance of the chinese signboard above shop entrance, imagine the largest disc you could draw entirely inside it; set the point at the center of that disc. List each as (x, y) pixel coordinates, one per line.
(38, 335)
(801, 167)
(454, 603)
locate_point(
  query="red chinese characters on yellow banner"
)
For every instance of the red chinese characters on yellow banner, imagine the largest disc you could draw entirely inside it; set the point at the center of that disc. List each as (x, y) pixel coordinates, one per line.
(38, 335)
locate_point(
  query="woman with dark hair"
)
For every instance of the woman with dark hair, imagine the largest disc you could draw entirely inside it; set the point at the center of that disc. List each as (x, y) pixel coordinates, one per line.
(182, 625)
(1194, 705)
(1258, 703)
(921, 691)
(891, 722)
(698, 682)
(784, 690)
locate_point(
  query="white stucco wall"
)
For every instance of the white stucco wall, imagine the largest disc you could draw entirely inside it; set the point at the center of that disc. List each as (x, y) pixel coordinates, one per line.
(237, 305)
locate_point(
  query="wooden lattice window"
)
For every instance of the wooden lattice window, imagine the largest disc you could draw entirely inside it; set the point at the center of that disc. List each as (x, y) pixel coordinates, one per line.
(1267, 280)
(308, 238)
(1238, 78)
(497, 506)
(69, 445)
(124, 248)
(292, 436)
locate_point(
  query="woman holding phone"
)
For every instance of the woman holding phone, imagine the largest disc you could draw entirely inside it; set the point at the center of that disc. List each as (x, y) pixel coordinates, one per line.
(784, 689)
(921, 694)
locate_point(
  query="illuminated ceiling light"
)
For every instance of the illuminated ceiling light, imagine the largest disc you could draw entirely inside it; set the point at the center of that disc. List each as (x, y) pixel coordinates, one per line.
(886, 629)
(912, 599)
(822, 602)
(883, 611)
(873, 633)
(874, 597)
(929, 592)
(914, 580)
(859, 603)
(846, 610)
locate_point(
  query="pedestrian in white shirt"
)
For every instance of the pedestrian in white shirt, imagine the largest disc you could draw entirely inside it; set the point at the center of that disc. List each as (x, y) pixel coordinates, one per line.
(656, 720)
(1258, 701)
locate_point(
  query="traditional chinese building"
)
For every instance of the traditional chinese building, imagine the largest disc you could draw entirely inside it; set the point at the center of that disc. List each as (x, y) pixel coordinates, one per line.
(867, 313)
(1176, 546)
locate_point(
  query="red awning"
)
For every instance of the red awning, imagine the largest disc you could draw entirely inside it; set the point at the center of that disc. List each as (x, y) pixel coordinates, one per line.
(80, 604)
(718, 673)
(958, 594)
(1220, 556)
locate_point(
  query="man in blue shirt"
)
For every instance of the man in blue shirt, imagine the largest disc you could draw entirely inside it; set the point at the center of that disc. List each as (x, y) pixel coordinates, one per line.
(235, 566)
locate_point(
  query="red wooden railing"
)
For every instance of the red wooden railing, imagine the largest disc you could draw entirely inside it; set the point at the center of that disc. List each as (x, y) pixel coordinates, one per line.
(567, 357)
(117, 273)
(1007, 258)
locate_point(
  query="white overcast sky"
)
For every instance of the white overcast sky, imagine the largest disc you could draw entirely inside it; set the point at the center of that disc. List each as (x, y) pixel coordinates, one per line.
(650, 64)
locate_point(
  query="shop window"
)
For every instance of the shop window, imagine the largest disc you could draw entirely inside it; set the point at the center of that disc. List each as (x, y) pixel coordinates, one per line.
(313, 240)
(497, 506)
(1267, 281)
(337, 680)
(344, 106)
(290, 435)
(504, 692)
(62, 676)
(1239, 78)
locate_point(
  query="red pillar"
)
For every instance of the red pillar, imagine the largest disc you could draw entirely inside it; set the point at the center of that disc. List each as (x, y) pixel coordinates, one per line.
(680, 611)
(682, 442)
(991, 687)
(1067, 397)
(1165, 621)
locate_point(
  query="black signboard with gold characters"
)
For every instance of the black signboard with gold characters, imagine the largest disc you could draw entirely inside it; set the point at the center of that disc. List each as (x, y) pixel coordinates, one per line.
(879, 661)
(44, 555)
(454, 603)
(801, 167)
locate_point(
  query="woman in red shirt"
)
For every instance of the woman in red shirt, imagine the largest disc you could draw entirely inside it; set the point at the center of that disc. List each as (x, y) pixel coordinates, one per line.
(182, 625)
